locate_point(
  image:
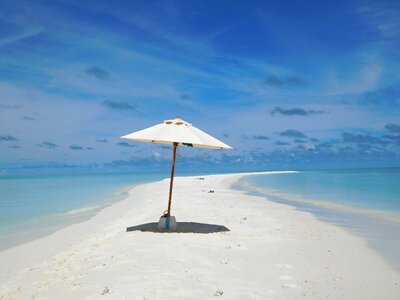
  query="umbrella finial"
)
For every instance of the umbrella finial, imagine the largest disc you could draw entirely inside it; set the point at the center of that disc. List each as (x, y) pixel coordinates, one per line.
(178, 117)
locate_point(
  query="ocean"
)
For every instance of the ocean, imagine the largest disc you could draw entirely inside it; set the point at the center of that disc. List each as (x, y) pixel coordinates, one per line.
(35, 206)
(364, 201)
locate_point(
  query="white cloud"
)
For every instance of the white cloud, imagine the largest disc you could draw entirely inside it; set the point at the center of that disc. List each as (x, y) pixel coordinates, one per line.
(20, 36)
(383, 16)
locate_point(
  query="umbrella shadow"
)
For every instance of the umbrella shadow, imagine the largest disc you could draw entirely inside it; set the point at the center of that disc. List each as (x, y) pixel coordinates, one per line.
(182, 227)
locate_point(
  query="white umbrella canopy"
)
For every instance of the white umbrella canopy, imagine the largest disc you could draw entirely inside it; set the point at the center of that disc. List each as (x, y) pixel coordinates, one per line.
(176, 132)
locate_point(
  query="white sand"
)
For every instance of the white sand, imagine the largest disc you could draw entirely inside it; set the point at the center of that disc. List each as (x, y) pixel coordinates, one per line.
(272, 251)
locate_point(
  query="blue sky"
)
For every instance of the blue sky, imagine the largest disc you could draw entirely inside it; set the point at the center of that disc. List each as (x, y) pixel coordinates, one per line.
(288, 84)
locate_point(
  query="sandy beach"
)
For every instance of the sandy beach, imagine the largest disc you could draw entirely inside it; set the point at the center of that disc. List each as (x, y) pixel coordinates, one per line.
(229, 244)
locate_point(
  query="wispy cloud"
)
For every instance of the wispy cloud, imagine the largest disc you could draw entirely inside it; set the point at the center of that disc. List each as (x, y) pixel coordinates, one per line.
(284, 81)
(361, 139)
(28, 118)
(98, 73)
(20, 36)
(14, 147)
(185, 97)
(102, 140)
(299, 141)
(125, 144)
(387, 95)
(393, 138)
(8, 138)
(295, 111)
(280, 143)
(48, 145)
(393, 127)
(260, 137)
(122, 106)
(76, 147)
(292, 133)
(384, 16)
(7, 106)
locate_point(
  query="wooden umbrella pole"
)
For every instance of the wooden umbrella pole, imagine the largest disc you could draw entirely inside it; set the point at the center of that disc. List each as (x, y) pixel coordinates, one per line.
(171, 183)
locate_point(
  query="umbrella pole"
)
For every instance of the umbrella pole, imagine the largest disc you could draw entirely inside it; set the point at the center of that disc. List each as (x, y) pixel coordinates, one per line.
(171, 183)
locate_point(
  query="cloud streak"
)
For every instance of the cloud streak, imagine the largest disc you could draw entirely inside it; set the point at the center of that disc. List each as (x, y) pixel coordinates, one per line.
(6, 106)
(121, 106)
(23, 35)
(383, 16)
(280, 143)
(387, 95)
(125, 144)
(76, 147)
(102, 141)
(292, 133)
(295, 112)
(284, 81)
(48, 145)
(394, 138)
(8, 138)
(98, 73)
(28, 118)
(260, 137)
(361, 139)
(393, 127)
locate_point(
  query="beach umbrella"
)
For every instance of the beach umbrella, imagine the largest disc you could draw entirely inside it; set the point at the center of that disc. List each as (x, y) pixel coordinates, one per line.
(176, 132)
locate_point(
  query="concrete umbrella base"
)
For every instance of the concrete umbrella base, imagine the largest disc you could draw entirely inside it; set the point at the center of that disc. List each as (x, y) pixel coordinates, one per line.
(167, 223)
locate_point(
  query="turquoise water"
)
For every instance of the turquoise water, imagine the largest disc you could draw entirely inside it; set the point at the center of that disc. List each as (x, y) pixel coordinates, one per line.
(31, 207)
(365, 202)
(370, 189)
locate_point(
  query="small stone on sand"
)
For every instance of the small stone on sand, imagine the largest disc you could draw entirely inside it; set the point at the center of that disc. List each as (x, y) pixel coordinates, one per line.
(106, 290)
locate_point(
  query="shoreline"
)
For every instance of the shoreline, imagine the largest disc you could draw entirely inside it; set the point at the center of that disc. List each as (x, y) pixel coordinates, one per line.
(61, 238)
(45, 225)
(379, 228)
(326, 204)
(256, 224)
(86, 203)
